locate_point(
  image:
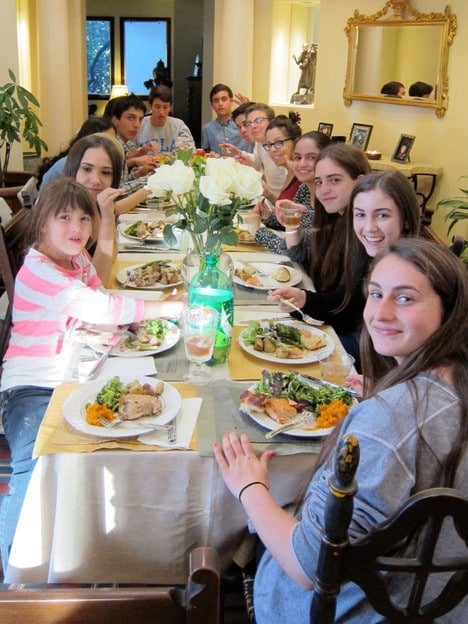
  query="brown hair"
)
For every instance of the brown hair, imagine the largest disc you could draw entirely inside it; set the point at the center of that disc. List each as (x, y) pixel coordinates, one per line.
(400, 190)
(329, 230)
(75, 155)
(55, 196)
(447, 346)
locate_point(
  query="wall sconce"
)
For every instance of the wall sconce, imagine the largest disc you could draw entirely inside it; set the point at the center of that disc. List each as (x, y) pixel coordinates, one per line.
(118, 90)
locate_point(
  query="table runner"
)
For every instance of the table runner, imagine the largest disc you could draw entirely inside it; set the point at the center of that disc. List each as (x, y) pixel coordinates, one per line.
(220, 414)
(57, 436)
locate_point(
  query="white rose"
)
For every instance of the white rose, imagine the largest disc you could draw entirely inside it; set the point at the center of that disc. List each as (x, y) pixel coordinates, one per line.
(215, 184)
(246, 182)
(216, 189)
(176, 178)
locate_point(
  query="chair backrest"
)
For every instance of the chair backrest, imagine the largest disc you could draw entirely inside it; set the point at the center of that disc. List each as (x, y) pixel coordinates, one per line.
(28, 193)
(369, 561)
(8, 270)
(197, 602)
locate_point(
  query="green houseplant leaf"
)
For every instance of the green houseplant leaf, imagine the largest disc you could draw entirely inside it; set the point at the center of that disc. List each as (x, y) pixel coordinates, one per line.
(18, 120)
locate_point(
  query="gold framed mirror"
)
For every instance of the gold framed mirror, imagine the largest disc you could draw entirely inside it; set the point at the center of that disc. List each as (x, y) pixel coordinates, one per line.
(407, 48)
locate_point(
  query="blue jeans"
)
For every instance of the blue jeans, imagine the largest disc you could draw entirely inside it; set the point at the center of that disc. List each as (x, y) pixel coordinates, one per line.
(22, 410)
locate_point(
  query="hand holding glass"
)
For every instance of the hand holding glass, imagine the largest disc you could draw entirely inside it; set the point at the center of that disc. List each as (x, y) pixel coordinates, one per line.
(199, 333)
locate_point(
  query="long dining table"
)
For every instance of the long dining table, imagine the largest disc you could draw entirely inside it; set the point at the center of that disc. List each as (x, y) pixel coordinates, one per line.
(130, 510)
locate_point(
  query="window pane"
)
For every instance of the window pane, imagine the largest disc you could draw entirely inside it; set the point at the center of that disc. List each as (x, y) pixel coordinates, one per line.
(144, 42)
(99, 58)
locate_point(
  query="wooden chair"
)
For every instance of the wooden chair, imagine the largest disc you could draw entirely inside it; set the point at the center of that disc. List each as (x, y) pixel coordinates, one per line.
(196, 603)
(8, 270)
(366, 561)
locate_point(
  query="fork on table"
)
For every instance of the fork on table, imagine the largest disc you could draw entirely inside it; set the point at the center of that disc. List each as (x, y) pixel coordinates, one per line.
(305, 418)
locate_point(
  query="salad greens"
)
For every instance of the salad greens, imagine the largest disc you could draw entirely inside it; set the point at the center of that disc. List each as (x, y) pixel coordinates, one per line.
(276, 331)
(290, 385)
(152, 327)
(110, 394)
(133, 228)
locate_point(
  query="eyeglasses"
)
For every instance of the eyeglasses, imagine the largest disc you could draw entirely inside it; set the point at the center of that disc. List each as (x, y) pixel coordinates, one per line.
(257, 121)
(276, 144)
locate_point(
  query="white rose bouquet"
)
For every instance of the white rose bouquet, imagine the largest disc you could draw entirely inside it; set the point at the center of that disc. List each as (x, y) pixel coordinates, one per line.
(206, 194)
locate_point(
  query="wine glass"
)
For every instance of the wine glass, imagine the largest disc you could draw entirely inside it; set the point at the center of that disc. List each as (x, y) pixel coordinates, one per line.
(199, 334)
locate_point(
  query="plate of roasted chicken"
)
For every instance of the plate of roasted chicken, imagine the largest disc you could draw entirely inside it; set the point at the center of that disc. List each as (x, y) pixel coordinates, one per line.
(121, 408)
(280, 399)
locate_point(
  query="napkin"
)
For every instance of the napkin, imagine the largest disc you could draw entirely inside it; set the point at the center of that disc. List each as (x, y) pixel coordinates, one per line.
(186, 421)
(119, 366)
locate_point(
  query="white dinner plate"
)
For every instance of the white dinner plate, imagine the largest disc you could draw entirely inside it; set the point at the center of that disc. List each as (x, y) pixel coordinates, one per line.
(312, 356)
(154, 204)
(170, 339)
(265, 421)
(122, 278)
(74, 410)
(268, 282)
(158, 238)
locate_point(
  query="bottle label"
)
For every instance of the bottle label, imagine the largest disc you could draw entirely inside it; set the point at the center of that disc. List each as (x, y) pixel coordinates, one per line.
(225, 321)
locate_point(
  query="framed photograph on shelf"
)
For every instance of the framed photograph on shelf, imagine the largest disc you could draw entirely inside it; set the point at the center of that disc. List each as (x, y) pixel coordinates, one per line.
(325, 128)
(403, 148)
(360, 135)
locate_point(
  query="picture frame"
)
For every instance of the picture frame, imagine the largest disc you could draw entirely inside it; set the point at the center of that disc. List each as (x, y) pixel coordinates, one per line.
(360, 135)
(403, 148)
(325, 128)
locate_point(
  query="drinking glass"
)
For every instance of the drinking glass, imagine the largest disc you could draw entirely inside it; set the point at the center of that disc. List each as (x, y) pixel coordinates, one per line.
(199, 335)
(336, 367)
(291, 218)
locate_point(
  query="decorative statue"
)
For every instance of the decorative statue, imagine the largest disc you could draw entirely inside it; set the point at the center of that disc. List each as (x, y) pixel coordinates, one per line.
(307, 63)
(160, 76)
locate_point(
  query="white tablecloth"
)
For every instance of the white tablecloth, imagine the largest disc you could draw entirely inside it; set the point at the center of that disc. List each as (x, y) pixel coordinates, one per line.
(123, 516)
(129, 516)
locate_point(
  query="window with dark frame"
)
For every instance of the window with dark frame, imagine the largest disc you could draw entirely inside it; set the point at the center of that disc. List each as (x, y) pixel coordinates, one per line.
(99, 56)
(144, 41)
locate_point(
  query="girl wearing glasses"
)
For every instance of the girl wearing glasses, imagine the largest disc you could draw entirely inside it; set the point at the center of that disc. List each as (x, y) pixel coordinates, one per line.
(281, 134)
(303, 155)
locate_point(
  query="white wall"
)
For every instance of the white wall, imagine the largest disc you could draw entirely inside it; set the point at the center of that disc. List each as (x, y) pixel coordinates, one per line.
(440, 141)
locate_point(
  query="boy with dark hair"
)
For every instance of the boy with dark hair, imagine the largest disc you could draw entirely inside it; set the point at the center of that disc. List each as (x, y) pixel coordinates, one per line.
(167, 132)
(126, 113)
(222, 129)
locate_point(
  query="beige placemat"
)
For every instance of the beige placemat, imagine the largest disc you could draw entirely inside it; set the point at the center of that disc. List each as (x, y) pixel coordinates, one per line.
(243, 366)
(57, 436)
(249, 247)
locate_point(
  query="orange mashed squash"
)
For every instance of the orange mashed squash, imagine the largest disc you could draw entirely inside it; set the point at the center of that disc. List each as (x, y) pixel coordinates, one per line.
(330, 414)
(94, 412)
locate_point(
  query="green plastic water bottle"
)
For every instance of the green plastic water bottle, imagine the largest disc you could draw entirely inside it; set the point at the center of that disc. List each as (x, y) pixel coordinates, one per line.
(211, 287)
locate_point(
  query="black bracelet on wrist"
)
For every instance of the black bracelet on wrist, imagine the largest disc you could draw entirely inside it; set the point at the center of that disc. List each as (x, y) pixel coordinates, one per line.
(248, 485)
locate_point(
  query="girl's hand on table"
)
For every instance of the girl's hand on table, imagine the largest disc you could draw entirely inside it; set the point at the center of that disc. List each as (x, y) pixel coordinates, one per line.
(290, 293)
(238, 463)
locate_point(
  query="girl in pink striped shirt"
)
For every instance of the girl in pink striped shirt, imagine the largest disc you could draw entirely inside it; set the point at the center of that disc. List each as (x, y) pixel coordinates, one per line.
(56, 289)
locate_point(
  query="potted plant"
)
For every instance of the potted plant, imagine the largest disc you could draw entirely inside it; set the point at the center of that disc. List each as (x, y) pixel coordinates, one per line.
(17, 120)
(458, 212)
